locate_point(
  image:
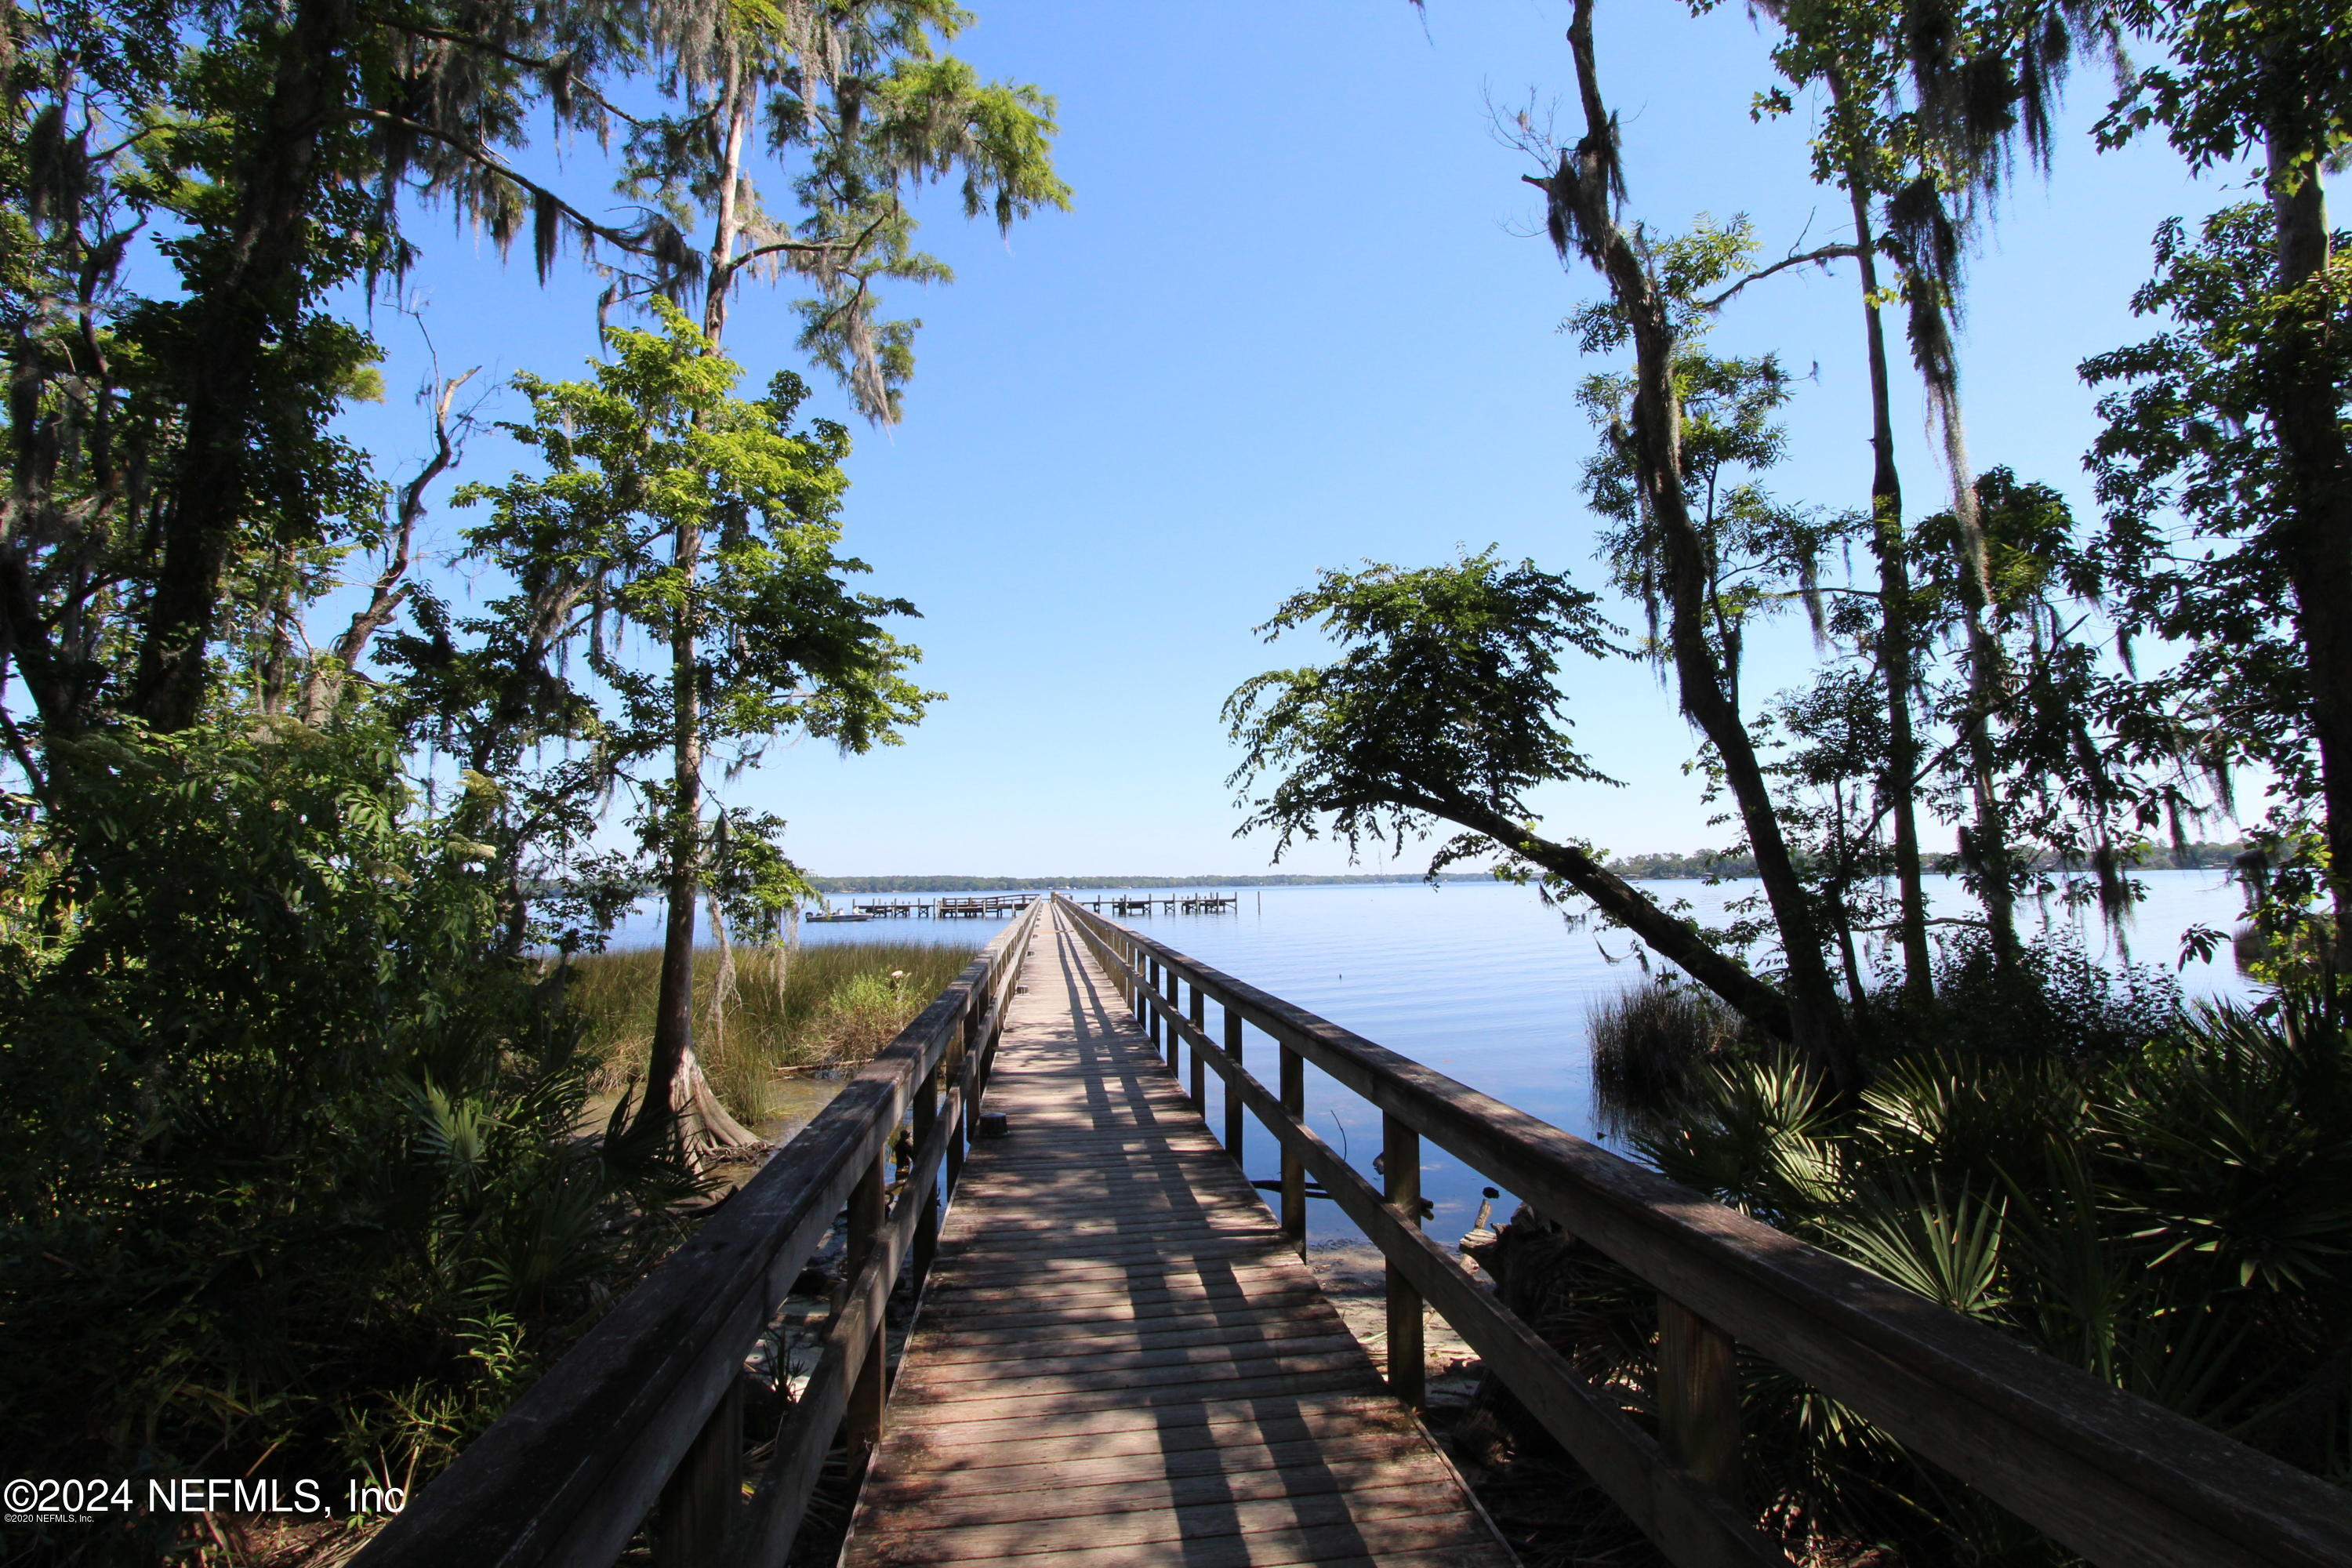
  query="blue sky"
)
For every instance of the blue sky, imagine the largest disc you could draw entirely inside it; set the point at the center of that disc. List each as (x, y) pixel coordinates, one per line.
(1295, 319)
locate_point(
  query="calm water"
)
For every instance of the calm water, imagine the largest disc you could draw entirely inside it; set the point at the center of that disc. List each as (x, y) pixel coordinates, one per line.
(1483, 983)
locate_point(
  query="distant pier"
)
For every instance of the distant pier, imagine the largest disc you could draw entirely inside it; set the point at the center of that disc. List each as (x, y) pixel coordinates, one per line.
(1002, 906)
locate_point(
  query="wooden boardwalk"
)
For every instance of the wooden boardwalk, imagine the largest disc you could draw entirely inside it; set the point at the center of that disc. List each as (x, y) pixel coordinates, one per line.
(1118, 1360)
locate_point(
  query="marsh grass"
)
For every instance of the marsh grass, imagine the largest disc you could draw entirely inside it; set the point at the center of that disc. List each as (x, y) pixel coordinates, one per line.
(1649, 1045)
(836, 1005)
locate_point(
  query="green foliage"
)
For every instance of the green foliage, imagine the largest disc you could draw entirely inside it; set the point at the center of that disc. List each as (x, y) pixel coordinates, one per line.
(2235, 75)
(1445, 687)
(2157, 1195)
(277, 1137)
(2203, 521)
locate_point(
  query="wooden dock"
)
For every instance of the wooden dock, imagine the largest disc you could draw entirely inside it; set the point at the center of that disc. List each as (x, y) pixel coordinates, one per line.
(1181, 904)
(1116, 1357)
(985, 905)
(1120, 1358)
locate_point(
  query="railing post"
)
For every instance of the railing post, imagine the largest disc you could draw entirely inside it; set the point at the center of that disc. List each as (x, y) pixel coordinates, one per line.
(926, 1222)
(951, 1071)
(1173, 986)
(1401, 1184)
(1294, 1173)
(861, 1423)
(1234, 1106)
(1698, 1397)
(701, 1496)
(1152, 1001)
(1200, 1061)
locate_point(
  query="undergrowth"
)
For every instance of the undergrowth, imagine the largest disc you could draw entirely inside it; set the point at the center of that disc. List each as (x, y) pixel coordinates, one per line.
(2156, 1193)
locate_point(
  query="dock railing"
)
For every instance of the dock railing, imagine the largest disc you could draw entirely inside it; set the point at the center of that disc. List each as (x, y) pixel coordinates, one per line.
(645, 1415)
(2123, 1482)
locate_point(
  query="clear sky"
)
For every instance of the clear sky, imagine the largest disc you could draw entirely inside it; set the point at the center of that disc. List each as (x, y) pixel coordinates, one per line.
(1295, 319)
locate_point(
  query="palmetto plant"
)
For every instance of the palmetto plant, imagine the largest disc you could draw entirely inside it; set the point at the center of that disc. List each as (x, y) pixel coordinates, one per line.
(2173, 1213)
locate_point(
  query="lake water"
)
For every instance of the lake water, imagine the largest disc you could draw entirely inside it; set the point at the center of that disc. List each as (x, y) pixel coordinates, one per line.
(1481, 982)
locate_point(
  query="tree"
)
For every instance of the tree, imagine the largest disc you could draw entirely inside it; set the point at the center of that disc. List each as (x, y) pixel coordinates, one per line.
(2209, 528)
(2275, 78)
(858, 93)
(1444, 706)
(857, 96)
(1582, 193)
(761, 635)
(1860, 148)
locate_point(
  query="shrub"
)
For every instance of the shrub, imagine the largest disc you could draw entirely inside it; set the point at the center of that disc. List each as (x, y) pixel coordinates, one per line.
(2160, 1196)
(279, 1136)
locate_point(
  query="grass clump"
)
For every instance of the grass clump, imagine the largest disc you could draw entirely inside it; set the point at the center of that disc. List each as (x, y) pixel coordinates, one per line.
(769, 1013)
(1650, 1044)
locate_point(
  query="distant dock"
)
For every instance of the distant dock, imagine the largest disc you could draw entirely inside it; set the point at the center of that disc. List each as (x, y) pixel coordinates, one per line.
(1003, 905)
(1181, 903)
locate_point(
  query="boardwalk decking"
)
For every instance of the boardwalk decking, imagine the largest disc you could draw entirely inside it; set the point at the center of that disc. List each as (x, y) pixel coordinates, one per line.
(1119, 1358)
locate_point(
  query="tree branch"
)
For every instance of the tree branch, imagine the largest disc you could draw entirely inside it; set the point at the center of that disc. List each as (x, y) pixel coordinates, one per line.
(1824, 255)
(1674, 940)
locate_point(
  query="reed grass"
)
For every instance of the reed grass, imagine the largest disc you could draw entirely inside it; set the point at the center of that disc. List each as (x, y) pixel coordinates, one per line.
(790, 1010)
(1650, 1044)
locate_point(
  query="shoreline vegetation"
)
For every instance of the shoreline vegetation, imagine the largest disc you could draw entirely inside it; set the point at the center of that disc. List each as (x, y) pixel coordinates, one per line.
(761, 1015)
(1666, 867)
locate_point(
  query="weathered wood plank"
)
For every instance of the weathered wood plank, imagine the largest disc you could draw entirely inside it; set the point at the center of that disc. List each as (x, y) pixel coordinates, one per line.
(1232, 1342)
(1050, 1337)
(994, 1468)
(969, 1503)
(1361, 1524)
(1108, 1241)
(1156, 1298)
(1319, 1548)
(1206, 1423)
(1203, 1506)
(1269, 1384)
(1173, 1370)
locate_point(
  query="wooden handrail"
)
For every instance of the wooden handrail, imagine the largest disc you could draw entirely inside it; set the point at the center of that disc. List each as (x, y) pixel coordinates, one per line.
(568, 1474)
(2112, 1476)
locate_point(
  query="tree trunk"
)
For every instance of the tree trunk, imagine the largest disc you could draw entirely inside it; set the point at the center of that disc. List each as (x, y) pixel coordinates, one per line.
(669, 1066)
(672, 1067)
(1582, 191)
(1899, 781)
(241, 306)
(1670, 937)
(2307, 412)
(721, 266)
